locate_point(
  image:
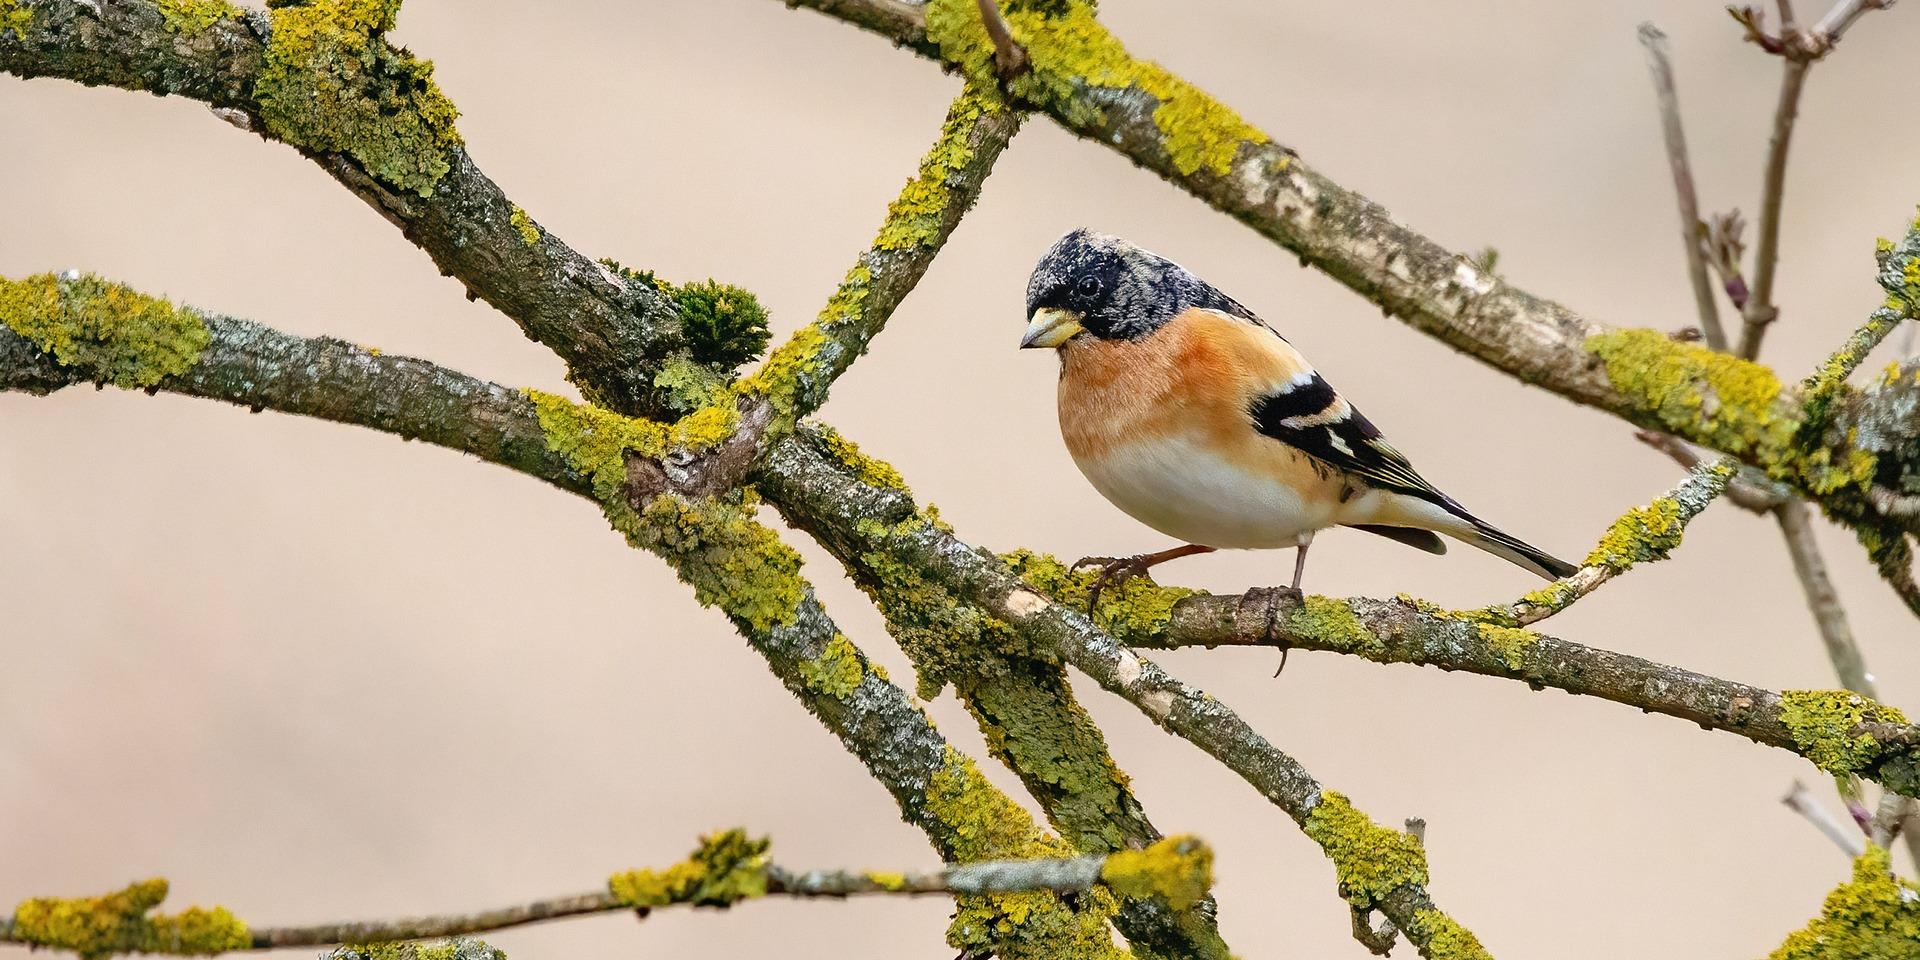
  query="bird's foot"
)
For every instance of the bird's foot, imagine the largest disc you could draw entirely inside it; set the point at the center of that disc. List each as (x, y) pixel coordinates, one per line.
(1113, 570)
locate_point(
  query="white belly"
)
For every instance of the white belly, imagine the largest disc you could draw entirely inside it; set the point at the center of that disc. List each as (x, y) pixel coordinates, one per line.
(1190, 494)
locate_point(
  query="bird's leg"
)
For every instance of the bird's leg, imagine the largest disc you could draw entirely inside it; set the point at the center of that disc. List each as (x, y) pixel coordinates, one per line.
(1117, 569)
(1299, 572)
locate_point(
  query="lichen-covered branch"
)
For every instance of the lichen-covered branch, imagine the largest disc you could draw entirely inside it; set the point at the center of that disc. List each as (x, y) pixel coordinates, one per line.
(725, 869)
(321, 77)
(58, 331)
(1088, 81)
(862, 522)
(1873, 915)
(1639, 535)
(797, 376)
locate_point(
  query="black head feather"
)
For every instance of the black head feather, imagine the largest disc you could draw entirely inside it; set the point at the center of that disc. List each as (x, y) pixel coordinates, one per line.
(1119, 290)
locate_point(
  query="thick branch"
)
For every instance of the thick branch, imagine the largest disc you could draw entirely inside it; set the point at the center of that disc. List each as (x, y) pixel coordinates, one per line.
(612, 331)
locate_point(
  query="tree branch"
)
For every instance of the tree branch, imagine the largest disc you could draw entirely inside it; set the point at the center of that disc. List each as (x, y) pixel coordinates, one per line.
(1133, 107)
(726, 868)
(1691, 228)
(613, 331)
(859, 521)
(1760, 310)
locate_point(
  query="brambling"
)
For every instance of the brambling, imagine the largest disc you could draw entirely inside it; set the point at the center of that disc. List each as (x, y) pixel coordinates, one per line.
(1194, 417)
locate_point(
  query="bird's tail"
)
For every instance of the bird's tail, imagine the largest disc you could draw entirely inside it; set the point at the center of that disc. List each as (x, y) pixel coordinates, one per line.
(1512, 549)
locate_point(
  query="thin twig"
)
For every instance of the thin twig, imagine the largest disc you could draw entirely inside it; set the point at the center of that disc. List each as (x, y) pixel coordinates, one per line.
(1800, 801)
(1691, 229)
(1009, 57)
(1842, 16)
(1760, 309)
(1797, 529)
(1750, 490)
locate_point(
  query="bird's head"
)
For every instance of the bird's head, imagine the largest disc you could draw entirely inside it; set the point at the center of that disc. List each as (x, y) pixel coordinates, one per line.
(1107, 288)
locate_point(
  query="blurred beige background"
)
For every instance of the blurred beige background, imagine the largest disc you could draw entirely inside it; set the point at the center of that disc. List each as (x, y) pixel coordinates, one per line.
(314, 673)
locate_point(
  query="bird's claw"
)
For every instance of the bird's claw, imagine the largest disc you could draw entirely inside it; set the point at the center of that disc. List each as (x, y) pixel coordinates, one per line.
(1112, 570)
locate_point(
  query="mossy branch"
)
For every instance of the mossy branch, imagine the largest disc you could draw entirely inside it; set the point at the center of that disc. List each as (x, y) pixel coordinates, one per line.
(796, 378)
(1377, 868)
(321, 77)
(726, 868)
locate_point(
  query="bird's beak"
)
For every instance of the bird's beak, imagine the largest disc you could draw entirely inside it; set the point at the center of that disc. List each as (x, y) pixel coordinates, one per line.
(1051, 327)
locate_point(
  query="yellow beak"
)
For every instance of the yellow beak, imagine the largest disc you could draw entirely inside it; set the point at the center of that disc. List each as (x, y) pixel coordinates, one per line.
(1051, 328)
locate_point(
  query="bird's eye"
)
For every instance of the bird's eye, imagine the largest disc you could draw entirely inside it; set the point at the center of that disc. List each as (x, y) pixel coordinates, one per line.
(1087, 287)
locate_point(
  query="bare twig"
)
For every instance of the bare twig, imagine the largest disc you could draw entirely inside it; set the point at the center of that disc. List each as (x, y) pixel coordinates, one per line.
(1797, 529)
(1760, 309)
(1727, 248)
(1750, 490)
(1009, 57)
(1800, 801)
(1691, 229)
(1842, 17)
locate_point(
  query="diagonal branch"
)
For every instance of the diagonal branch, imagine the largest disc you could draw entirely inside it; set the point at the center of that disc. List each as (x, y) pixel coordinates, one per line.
(859, 521)
(299, 75)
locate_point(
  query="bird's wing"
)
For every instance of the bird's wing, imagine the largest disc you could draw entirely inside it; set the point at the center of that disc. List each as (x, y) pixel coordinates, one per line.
(1306, 413)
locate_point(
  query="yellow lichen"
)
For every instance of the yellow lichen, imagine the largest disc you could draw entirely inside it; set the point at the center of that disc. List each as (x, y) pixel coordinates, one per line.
(1443, 938)
(193, 16)
(529, 231)
(112, 333)
(1176, 869)
(1824, 724)
(331, 83)
(1332, 622)
(1133, 610)
(872, 472)
(1874, 916)
(1703, 395)
(14, 17)
(836, 672)
(121, 922)
(597, 441)
(1369, 860)
(885, 880)
(977, 822)
(731, 560)
(1511, 644)
(1639, 535)
(1069, 49)
(725, 869)
(915, 216)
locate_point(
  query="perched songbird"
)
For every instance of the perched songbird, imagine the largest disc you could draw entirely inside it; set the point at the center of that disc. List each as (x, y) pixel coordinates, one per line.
(1200, 421)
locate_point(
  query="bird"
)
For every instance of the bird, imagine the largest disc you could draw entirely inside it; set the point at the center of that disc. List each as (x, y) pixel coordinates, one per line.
(1195, 417)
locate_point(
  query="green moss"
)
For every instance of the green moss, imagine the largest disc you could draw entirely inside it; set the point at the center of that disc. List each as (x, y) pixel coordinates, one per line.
(529, 231)
(14, 17)
(872, 472)
(725, 325)
(1444, 938)
(331, 83)
(1709, 397)
(1133, 610)
(836, 672)
(1369, 860)
(1177, 869)
(1069, 48)
(978, 822)
(690, 385)
(193, 16)
(1332, 622)
(122, 922)
(1874, 916)
(113, 333)
(1823, 725)
(1511, 644)
(725, 869)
